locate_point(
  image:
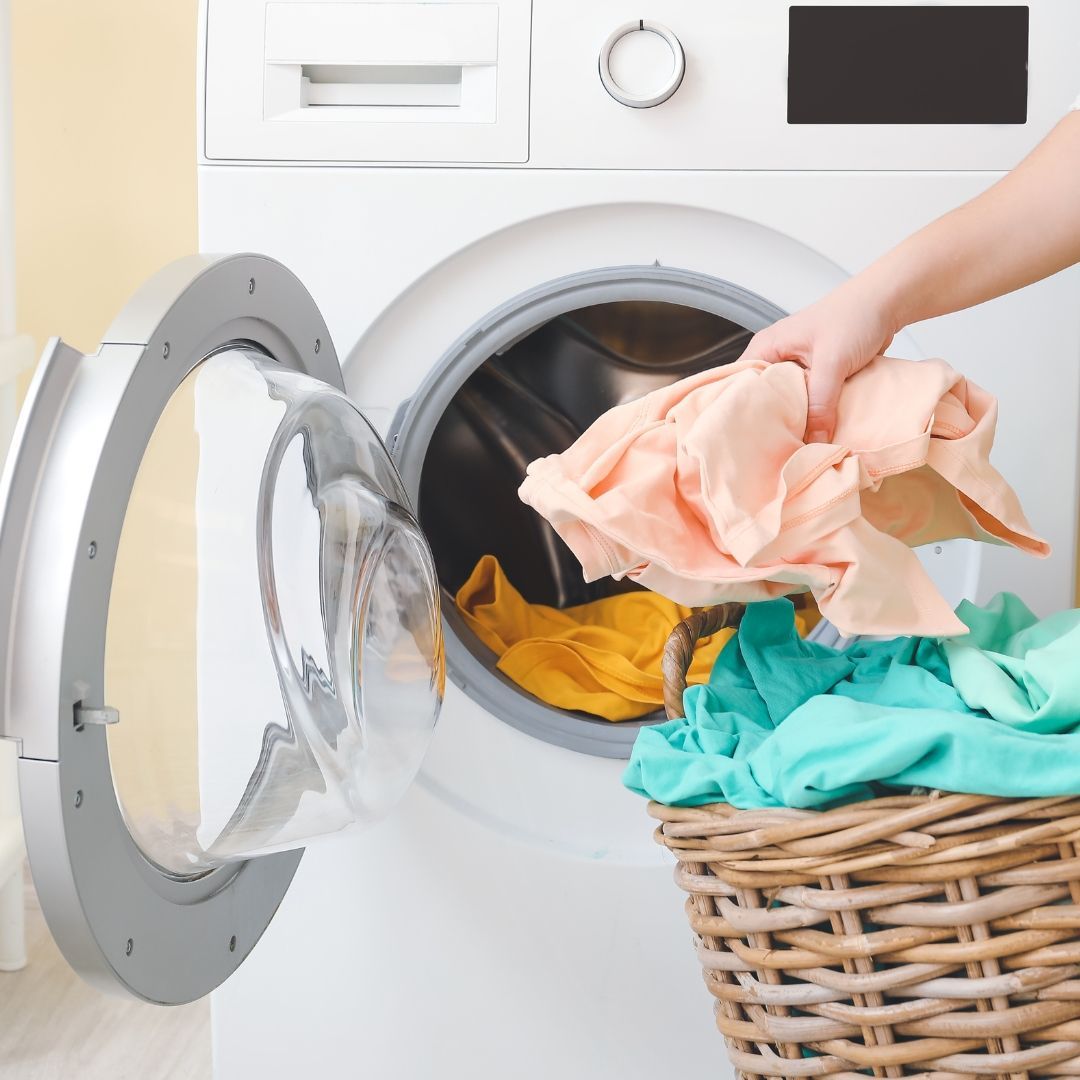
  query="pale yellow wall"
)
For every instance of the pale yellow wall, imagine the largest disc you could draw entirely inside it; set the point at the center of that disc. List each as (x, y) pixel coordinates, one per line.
(104, 154)
(104, 162)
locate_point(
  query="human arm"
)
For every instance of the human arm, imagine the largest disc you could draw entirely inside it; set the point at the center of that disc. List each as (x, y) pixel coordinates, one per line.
(1022, 229)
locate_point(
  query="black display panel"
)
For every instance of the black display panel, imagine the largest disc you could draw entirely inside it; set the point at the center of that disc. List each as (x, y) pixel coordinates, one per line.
(904, 64)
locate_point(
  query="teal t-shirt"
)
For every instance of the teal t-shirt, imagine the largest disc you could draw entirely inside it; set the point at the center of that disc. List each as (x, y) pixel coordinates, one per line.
(788, 722)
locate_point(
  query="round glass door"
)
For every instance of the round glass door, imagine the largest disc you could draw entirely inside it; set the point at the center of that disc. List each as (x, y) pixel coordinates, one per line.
(274, 648)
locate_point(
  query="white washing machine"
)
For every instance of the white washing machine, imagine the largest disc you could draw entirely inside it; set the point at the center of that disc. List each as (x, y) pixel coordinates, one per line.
(510, 215)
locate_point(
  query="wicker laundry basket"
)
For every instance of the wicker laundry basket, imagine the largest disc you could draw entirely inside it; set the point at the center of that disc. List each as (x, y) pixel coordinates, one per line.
(934, 936)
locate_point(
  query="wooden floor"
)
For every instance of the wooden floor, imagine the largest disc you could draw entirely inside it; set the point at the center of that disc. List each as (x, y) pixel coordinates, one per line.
(55, 1027)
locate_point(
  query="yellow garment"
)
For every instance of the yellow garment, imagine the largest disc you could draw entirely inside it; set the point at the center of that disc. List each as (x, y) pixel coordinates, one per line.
(601, 658)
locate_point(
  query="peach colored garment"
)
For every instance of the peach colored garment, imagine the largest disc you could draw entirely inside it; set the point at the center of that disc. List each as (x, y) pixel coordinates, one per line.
(705, 492)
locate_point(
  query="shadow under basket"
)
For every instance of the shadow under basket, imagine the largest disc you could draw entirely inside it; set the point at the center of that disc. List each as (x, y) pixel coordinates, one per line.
(927, 935)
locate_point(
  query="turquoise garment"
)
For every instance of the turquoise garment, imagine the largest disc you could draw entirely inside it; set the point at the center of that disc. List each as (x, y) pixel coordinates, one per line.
(1021, 670)
(786, 722)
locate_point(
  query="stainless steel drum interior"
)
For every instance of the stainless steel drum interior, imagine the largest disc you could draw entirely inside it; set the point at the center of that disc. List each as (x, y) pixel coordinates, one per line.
(528, 383)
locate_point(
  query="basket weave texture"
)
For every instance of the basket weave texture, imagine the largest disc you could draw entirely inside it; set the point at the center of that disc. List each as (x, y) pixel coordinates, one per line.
(934, 936)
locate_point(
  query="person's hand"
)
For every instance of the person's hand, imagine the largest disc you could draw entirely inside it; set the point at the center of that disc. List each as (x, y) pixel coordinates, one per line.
(832, 339)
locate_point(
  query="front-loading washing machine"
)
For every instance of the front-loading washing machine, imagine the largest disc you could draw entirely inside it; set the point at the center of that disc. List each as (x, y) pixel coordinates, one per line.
(510, 216)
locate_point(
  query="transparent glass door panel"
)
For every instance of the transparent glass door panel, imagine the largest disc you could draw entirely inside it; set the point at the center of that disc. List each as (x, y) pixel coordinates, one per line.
(274, 647)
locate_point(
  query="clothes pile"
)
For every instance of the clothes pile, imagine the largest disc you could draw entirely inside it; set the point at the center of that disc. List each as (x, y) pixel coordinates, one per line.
(788, 722)
(601, 658)
(705, 492)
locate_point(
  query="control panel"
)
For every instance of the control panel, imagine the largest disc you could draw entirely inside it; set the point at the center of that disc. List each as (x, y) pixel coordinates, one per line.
(959, 85)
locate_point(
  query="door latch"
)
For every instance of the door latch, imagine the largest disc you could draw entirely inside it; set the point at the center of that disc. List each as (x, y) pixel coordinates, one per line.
(104, 714)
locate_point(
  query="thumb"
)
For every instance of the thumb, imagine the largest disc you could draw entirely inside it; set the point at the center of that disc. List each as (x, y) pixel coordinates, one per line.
(823, 385)
(768, 348)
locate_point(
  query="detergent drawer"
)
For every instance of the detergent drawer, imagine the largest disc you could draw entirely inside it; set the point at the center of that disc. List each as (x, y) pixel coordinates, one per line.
(396, 81)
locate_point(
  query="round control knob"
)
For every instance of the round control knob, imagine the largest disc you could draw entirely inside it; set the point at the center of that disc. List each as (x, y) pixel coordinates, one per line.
(642, 64)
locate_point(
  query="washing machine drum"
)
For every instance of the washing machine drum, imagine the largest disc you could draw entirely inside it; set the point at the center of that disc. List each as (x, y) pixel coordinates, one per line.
(533, 399)
(224, 634)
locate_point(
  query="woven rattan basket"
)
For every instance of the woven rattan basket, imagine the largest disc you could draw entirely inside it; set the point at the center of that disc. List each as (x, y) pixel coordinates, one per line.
(934, 936)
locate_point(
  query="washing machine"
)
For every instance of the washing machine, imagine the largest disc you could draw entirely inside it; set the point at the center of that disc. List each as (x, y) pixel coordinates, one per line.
(479, 223)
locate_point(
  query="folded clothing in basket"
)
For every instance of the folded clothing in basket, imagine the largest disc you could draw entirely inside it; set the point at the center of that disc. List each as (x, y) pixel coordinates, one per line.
(601, 658)
(787, 722)
(705, 491)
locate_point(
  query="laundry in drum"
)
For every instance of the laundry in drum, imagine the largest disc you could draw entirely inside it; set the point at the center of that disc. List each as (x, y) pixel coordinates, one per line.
(520, 589)
(602, 657)
(784, 721)
(705, 491)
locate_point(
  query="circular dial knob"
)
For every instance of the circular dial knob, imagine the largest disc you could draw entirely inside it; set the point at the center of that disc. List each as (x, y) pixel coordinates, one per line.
(642, 64)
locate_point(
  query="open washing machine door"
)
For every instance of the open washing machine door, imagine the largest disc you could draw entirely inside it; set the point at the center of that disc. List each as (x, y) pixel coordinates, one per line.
(222, 634)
